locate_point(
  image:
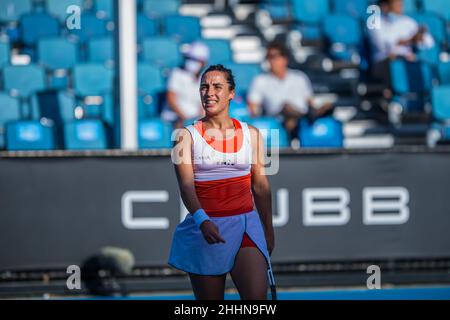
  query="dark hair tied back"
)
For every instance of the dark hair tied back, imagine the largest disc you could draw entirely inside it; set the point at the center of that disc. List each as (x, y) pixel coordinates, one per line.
(228, 74)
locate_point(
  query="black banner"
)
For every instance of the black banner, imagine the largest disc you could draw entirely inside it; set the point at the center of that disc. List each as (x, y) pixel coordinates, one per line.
(57, 211)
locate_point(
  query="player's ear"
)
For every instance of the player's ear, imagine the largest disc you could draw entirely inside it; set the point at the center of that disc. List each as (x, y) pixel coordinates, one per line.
(232, 94)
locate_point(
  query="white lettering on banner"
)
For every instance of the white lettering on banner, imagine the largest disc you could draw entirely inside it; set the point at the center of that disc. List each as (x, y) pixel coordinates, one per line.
(282, 216)
(337, 201)
(129, 197)
(320, 207)
(394, 200)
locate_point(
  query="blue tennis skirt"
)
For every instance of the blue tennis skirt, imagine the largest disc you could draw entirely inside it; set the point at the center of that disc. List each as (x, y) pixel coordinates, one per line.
(190, 252)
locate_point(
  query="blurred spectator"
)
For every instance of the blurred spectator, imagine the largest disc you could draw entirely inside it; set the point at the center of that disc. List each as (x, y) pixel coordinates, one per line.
(183, 97)
(397, 37)
(284, 92)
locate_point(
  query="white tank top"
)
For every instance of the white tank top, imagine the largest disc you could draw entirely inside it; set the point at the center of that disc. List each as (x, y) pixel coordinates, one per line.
(211, 164)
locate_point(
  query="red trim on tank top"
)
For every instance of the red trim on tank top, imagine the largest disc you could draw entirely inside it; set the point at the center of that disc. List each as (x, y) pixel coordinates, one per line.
(222, 145)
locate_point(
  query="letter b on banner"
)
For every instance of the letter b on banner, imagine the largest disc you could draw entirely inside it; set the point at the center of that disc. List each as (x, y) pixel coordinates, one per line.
(385, 206)
(326, 207)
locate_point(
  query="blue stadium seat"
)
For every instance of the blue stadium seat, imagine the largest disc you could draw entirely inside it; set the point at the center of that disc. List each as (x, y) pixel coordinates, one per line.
(92, 79)
(85, 135)
(435, 25)
(441, 103)
(309, 15)
(354, 8)
(158, 8)
(344, 34)
(269, 128)
(323, 133)
(29, 135)
(440, 7)
(34, 26)
(9, 108)
(410, 6)
(24, 80)
(59, 80)
(146, 27)
(150, 78)
(343, 29)
(58, 8)
(4, 52)
(11, 10)
(150, 84)
(239, 109)
(162, 52)
(307, 11)
(67, 104)
(104, 9)
(9, 111)
(57, 53)
(148, 105)
(56, 105)
(219, 51)
(430, 56)
(243, 74)
(183, 29)
(91, 27)
(101, 49)
(277, 10)
(309, 32)
(101, 109)
(441, 111)
(154, 134)
(444, 73)
(411, 83)
(108, 109)
(410, 77)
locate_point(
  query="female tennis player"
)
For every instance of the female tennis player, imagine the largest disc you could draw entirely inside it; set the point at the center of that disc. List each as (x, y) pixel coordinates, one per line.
(220, 172)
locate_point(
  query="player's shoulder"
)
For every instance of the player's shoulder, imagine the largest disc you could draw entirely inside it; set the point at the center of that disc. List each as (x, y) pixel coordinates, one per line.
(254, 132)
(183, 134)
(250, 127)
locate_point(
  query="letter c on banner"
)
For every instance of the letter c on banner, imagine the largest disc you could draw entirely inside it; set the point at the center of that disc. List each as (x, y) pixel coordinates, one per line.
(130, 197)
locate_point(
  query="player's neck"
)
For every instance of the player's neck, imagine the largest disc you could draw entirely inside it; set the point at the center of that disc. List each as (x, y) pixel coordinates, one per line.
(219, 121)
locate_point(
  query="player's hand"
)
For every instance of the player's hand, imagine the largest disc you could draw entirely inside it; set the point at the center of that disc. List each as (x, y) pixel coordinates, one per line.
(211, 232)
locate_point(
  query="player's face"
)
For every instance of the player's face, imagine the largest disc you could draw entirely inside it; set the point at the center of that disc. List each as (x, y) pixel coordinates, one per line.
(215, 92)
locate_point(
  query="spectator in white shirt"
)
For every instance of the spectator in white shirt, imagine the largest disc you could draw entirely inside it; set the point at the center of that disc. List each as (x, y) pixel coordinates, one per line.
(396, 37)
(283, 92)
(183, 99)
